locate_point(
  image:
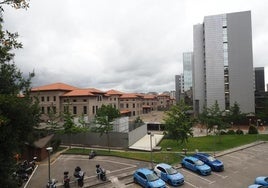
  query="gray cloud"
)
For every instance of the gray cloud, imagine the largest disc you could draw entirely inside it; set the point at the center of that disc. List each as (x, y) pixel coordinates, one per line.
(133, 45)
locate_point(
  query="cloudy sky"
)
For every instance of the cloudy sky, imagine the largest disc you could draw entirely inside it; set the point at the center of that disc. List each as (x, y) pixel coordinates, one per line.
(128, 45)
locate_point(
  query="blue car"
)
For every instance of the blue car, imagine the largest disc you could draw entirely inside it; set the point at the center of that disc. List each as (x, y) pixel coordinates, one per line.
(215, 164)
(261, 180)
(169, 174)
(257, 186)
(147, 178)
(196, 165)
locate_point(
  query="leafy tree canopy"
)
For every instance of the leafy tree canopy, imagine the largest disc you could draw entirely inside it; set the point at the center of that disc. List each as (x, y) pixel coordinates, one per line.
(18, 113)
(179, 123)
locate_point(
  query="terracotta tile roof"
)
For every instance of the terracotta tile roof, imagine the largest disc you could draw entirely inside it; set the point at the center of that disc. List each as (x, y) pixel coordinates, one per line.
(55, 86)
(124, 111)
(114, 92)
(149, 97)
(129, 96)
(81, 92)
(163, 95)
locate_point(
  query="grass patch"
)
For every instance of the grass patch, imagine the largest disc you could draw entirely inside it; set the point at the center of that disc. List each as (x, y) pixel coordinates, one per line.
(206, 143)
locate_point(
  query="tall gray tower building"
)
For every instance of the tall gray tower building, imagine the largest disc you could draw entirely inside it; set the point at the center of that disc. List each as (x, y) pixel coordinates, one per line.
(223, 62)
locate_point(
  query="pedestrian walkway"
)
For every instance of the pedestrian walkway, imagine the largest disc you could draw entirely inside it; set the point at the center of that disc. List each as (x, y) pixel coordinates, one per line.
(148, 142)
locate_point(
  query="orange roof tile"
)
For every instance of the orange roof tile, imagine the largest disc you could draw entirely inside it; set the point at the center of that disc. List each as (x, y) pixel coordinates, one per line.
(55, 86)
(124, 111)
(114, 92)
(129, 96)
(149, 96)
(80, 92)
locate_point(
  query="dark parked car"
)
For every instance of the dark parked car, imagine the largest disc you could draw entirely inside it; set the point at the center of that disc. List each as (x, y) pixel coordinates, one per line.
(215, 164)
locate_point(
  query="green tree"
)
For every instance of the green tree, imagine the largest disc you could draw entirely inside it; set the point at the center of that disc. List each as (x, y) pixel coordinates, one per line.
(179, 123)
(215, 119)
(18, 113)
(104, 118)
(69, 126)
(235, 115)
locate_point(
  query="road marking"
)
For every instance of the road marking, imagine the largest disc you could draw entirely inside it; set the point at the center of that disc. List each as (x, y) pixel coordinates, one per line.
(191, 184)
(223, 177)
(210, 182)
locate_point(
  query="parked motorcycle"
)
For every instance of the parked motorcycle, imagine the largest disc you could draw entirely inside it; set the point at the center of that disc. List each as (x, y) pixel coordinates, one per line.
(79, 175)
(52, 183)
(92, 154)
(101, 173)
(20, 178)
(66, 180)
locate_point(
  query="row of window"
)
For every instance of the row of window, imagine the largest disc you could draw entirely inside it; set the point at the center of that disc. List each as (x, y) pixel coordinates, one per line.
(48, 98)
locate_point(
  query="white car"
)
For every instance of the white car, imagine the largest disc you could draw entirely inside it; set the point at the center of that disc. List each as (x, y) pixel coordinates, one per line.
(169, 174)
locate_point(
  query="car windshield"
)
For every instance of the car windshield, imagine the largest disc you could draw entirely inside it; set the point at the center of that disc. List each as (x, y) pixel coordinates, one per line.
(152, 177)
(211, 159)
(171, 171)
(198, 162)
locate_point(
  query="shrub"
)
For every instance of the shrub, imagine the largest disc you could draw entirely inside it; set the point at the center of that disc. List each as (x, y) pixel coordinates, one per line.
(252, 130)
(230, 131)
(239, 131)
(223, 133)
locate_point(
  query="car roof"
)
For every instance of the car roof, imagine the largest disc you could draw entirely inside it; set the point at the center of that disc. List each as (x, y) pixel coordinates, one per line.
(145, 171)
(191, 158)
(203, 154)
(164, 165)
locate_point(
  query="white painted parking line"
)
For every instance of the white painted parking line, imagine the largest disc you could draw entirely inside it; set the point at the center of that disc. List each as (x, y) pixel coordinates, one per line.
(210, 182)
(219, 175)
(191, 184)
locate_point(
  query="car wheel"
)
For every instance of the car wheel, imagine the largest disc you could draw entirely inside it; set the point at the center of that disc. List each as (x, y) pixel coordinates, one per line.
(199, 172)
(135, 180)
(183, 165)
(169, 182)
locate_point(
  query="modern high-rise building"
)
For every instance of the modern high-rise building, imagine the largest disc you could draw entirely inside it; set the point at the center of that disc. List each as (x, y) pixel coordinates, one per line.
(223, 62)
(259, 79)
(187, 70)
(178, 87)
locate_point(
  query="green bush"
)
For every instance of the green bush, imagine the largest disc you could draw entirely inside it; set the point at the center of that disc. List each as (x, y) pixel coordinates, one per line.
(231, 132)
(239, 131)
(252, 130)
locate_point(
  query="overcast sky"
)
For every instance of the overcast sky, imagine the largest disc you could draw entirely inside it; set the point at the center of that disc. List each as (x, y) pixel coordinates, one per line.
(128, 45)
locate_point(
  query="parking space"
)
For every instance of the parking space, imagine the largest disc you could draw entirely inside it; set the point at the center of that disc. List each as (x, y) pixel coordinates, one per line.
(114, 166)
(241, 168)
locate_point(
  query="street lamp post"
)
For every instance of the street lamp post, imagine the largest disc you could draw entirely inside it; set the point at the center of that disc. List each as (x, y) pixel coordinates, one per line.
(49, 150)
(258, 122)
(214, 128)
(151, 148)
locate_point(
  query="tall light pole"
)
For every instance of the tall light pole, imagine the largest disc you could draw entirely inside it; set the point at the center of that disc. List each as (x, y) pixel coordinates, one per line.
(258, 122)
(214, 128)
(151, 147)
(49, 150)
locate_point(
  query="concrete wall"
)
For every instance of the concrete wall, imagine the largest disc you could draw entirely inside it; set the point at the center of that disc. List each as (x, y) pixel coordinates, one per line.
(116, 139)
(137, 134)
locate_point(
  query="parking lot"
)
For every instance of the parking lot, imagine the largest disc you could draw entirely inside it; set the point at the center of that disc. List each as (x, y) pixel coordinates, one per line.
(241, 168)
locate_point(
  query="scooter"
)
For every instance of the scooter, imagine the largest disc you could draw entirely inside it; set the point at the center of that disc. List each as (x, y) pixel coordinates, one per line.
(101, 173)
(66, 180)
(92, 154)
(52, 183)
(79, 175)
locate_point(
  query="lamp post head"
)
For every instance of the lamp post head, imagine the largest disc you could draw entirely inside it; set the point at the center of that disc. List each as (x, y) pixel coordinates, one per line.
(49, 149)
